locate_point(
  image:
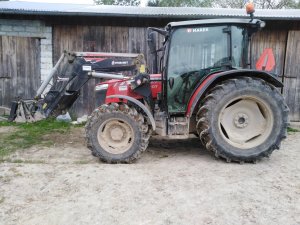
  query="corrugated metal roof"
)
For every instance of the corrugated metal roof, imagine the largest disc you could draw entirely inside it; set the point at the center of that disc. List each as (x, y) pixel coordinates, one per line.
(39, 8)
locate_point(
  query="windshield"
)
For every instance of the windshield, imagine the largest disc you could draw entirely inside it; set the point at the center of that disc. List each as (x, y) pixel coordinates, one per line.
(197, 51)
(203, 47)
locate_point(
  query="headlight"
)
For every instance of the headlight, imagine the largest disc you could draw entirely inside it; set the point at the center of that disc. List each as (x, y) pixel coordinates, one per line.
(101, 87)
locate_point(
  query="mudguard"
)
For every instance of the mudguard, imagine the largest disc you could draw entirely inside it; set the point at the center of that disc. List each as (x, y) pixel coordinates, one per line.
(139, 104)
(213, 79)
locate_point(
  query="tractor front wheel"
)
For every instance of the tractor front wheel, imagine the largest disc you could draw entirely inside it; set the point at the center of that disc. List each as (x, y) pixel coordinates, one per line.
(243, 119)
(117, 133)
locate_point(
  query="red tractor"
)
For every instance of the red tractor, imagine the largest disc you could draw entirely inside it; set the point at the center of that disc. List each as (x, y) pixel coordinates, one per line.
(204, 85)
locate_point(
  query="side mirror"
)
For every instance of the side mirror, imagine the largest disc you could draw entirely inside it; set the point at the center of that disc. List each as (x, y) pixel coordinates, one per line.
(152, 42)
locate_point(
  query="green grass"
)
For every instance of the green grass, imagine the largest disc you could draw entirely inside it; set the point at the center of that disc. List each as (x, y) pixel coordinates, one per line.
(27, 135)
(6, 124)
(292, 130)
(25, 161)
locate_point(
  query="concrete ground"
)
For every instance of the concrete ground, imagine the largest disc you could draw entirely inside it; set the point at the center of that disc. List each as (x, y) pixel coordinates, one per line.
(295, 125)
(175, 182)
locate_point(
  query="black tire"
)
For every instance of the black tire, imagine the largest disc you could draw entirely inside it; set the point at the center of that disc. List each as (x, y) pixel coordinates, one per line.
(128, 115)
(213, 135)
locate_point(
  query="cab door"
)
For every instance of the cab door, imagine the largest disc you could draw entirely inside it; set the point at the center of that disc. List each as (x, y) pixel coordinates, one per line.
(192, 52)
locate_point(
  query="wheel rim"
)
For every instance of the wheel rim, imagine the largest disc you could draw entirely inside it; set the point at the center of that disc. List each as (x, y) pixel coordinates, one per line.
(115, 136)
(246, 122)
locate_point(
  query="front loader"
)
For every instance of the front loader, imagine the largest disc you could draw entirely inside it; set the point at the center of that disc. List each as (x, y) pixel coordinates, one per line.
(204, 84)
(62, 87)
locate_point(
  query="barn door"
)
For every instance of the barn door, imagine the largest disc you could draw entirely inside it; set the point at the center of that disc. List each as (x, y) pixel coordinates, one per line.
(291, 80)
(19, 68)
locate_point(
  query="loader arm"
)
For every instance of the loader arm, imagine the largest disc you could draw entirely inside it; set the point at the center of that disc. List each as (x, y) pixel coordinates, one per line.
(68, 76)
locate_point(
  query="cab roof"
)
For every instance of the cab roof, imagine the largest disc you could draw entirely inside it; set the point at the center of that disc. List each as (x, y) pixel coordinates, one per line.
(245, 22)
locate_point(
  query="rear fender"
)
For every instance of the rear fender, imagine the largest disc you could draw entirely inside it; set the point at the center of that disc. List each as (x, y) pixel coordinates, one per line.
(137, 103)
(216, 78)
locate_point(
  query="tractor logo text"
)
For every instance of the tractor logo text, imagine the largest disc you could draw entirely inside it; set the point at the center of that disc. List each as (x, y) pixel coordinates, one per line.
(196, 30)
(119, 63)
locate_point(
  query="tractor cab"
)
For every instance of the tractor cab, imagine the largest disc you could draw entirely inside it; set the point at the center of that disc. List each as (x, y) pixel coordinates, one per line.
(193, 50)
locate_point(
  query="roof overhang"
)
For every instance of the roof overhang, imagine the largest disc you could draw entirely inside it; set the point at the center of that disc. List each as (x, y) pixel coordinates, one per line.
(52, 9)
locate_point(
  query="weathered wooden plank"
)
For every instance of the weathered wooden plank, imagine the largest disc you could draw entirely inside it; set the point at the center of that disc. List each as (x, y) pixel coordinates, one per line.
(22, 68)
(292, 97)
(56, 46)
(10, 64)
(9, 55)
(119, 39)
(100, 38)
(87, 43)
(292, 75)
(1, 92)
(1, 59)
(137, 40)
(107, 40)
(35, 65)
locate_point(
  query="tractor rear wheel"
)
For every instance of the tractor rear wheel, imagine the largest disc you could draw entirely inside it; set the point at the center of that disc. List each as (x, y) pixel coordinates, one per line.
(117, 133)
(242, 119)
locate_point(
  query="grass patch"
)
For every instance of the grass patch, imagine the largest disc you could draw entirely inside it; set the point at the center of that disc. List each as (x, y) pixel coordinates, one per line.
(292, 130)
(25, 161)
(6, 124)
(27, 135)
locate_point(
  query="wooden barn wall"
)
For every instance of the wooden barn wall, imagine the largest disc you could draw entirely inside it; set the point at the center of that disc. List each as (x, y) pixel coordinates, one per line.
(19, 68)
(275, 39)
(292, 75)
(286, 49)
(101, 39)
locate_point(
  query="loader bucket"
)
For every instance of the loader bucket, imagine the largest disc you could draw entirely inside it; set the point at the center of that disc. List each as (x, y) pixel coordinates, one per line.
(25, 111)
(66, 79)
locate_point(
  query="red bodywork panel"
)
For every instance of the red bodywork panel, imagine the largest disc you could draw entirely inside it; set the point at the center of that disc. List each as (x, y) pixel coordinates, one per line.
(155, 84)
(122, 87)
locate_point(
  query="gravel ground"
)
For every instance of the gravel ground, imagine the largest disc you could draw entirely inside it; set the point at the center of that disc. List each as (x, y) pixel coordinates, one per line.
(175, 182)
